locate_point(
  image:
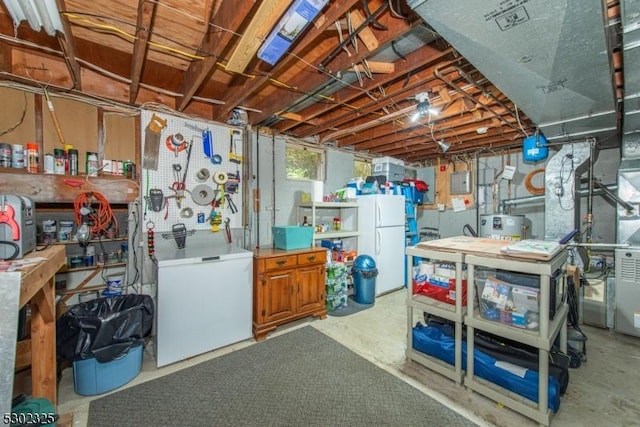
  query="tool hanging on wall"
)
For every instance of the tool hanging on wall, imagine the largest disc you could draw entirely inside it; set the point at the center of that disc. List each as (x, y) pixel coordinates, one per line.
(227, 230)
(235, 137)
(176, 143)
(152, 142)
(215, 219)
(150, 239)
(156, 199)
(207, 147)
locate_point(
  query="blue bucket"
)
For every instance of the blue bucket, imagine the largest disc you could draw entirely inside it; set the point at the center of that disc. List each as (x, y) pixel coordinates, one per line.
(534, 148)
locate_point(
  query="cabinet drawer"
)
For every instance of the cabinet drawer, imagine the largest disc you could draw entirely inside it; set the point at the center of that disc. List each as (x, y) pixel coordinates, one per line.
(312, 258)
(279, 262)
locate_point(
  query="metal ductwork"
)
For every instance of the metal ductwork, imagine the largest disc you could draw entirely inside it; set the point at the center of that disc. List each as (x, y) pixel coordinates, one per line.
(561, 204)
(550, 57)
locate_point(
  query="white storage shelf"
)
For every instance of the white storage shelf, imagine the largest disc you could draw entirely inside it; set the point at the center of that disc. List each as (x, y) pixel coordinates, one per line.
(430, 305)
(541, 339)
(347, 211)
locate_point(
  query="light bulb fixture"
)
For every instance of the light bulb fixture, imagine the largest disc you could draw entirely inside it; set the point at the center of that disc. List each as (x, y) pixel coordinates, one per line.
(443, 145)
(82, 235)
(38, 13)
(423, 108)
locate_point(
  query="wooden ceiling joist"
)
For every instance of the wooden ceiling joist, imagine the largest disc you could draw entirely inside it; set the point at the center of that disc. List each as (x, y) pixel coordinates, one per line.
(68, 47)
(144, 23)
(261, 24)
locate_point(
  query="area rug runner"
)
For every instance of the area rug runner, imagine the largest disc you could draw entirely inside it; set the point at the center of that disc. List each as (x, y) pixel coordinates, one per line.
(301, 378)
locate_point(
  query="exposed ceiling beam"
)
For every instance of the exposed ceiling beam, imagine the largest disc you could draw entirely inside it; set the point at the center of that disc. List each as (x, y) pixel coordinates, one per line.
(375, 67)
(246, 87)
(366, 35)
(306, 82)
(68, 47)
(230, 14)
(397, 83)
(261, 24)
(144, 23)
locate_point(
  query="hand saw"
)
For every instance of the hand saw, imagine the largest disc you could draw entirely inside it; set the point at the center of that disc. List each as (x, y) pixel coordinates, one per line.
(152, 142)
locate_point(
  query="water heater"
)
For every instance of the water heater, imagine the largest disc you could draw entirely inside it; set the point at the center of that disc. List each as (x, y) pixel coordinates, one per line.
(504, 227)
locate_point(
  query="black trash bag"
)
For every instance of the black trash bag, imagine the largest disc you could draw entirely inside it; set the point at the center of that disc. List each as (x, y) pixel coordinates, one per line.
(104, 328)
(365, 273)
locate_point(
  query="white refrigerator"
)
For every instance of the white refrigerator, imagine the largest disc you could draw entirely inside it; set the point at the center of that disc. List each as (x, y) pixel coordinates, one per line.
(381, 226)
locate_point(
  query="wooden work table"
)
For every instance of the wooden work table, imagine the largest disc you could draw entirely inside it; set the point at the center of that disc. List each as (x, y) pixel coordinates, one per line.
(37, 286)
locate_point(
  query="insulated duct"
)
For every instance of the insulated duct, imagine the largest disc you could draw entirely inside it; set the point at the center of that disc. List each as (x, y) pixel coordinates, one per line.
(548, 56)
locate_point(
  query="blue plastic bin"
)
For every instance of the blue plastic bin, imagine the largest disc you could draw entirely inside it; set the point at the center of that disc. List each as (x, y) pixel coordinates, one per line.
(292, 237)
(91, 377)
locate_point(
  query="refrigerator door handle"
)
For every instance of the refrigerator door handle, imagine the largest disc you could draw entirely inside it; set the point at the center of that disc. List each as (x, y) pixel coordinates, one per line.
(378, 214)
(377, 245)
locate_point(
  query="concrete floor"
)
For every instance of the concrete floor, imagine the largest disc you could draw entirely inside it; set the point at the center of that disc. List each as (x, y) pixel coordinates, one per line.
(603, 391)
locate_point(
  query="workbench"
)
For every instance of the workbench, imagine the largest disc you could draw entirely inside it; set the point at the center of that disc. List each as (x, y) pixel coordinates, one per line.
(36, 285)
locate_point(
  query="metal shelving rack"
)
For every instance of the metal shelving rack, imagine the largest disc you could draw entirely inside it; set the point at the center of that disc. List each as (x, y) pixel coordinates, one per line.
(456, 313)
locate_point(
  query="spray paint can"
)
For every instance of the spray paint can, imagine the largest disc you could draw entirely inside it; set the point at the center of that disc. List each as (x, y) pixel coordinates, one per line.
(72, 155)
(91, 164)
(59, 161)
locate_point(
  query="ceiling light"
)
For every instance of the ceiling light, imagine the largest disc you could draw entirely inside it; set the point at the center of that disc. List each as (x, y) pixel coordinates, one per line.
(423, 108)
(443, 145)
(38, 13)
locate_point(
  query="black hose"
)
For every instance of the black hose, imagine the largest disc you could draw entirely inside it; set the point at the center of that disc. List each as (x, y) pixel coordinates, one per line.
(16, 249)
(469, 229)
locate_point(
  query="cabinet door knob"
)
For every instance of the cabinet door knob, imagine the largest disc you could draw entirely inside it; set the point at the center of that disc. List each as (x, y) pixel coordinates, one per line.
(281, 261)
(311, 258)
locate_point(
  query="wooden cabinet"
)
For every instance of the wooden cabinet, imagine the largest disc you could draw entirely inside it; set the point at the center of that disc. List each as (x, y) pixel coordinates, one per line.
(287, 285)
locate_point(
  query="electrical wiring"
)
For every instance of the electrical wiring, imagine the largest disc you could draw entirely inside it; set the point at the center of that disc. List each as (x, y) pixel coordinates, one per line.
(536, 191)
(101, 218)
(20, 120)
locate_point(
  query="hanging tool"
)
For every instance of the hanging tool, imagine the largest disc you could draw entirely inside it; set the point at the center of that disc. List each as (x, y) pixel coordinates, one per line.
(235, 135)
(207, 147)
(231, 204)
(178, 186)
(227, 230)
(176, 143)
(186, 168)
(152, 142)
(156, 199)
(215, 219)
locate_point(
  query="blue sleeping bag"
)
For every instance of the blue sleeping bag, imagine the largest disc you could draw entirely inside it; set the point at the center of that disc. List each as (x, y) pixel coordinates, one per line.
(434, 342)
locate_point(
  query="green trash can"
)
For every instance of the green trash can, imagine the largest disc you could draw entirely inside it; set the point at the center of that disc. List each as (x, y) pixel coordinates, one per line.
(364, 273)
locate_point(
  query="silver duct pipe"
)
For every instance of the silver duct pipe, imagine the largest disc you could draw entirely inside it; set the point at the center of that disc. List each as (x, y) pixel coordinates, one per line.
(562, 213)
(602, 190)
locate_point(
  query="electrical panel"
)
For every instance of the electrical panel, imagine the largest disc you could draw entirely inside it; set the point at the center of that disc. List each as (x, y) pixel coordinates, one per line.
(460, 182)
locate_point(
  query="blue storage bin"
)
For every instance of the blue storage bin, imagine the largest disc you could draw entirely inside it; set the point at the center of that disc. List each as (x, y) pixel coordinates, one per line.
(292, 237)
(91, 377)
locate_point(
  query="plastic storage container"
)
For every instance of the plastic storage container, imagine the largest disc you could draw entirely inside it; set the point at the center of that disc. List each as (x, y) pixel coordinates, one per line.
(91, 377)
(292, 237)
(364, 279)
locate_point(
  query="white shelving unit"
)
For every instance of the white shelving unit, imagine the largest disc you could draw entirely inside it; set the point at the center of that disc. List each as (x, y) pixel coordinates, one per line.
(486, 253)
(423, 303)
(347, 211)
(541, 339)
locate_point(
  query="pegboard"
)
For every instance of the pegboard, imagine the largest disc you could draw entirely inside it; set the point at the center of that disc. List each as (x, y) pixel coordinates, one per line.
(173, 152)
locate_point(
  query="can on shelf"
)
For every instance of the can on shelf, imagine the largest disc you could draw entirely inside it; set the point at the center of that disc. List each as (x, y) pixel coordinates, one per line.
(31, 159)
(17, 156)
(5, 155)
(91, 165)
(49, 163)
(59, 161)
(72, 156)
(49, 231)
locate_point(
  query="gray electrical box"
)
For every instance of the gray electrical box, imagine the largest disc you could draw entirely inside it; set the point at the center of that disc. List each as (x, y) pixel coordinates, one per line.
(460, 182)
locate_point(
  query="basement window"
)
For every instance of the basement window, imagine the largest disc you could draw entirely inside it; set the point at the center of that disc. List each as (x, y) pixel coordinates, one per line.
(361, 168)
(304, 163)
